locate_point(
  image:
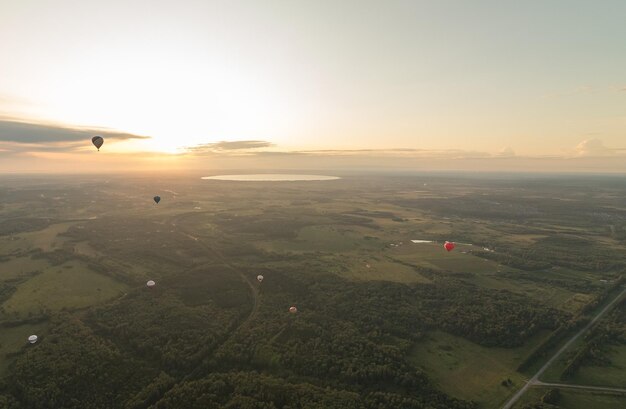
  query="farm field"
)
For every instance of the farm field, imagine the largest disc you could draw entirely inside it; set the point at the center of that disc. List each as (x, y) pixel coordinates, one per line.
(605, 375)
(67, 286)
(374, 310)
(469, 371)
(576, 399)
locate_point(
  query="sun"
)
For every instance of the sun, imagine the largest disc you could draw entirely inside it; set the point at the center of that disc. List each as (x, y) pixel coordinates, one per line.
(178, 103)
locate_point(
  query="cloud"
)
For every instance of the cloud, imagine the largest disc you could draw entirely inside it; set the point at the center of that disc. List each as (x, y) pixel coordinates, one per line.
(593, 147)
(247, 148)
(506, 152)
(228, 146)
(404, 153)
(254, 148)
(37, 133)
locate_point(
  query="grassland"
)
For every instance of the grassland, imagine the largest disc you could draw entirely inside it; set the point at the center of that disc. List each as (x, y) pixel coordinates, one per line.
(605, 375)
(19, 266)
(14, 339)
(381, 270)
(323, 239)
(49, 238)
(68, 286)
(469, 371)
(575, 399)
(432, 255)
(105, 237)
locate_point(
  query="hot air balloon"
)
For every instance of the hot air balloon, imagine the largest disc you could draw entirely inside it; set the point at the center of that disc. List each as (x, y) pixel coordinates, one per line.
(150, 284)
(259, 278)
(97, 141)
(157, 199)
(293, 309)
(32, 339)
(448, 245)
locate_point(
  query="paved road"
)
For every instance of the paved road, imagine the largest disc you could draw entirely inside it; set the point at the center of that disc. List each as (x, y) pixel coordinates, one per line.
(586, 387)
(535, 379)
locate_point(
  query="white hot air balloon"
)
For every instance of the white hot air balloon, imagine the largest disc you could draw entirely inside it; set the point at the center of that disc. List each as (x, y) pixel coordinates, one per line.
(32, 339)
(150, 284)
(293, 309)
(259, 278)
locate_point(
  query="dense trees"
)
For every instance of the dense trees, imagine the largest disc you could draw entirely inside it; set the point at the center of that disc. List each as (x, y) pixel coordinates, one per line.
(210, 336)
(253, 390)
(73, 368)
(354, 338)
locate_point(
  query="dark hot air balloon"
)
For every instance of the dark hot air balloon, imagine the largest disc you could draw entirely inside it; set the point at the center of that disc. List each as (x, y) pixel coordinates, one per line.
(157, 199)
(97, 141)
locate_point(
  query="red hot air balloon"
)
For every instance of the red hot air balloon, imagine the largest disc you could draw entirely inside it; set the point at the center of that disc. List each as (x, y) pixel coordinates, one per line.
(293, 309)
(448, 245)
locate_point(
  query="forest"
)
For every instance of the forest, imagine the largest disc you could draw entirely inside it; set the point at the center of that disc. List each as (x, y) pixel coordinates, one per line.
(210, 336)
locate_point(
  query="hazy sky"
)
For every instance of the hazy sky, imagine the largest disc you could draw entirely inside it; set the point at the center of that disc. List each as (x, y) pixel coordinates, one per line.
(440, 79)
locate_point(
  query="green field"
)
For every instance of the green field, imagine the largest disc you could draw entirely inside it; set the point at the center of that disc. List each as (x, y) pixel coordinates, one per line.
(470, 371)
(85, 249)
(14, 339)
(384, 270)
(19, 266)
(70, 285)
(47, 239)
(574, 399)
(608, 375)
(324, 239)
(372, 306)
(433, 255)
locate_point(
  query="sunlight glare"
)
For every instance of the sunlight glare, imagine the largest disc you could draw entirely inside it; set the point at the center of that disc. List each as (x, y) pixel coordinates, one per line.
(175, 102)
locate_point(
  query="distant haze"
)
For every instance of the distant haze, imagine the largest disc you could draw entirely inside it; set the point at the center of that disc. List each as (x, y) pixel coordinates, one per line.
(270, 177)
(482, 85)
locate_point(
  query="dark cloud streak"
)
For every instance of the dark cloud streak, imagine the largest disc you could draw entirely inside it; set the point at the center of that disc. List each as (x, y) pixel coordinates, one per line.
(25, 132)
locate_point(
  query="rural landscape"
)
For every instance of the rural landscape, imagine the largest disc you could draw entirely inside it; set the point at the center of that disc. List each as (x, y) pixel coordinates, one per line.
(356, 204)
(528, 311)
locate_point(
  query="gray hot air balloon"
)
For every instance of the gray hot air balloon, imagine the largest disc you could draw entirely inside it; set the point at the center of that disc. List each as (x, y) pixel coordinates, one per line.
(97, 141)
(157, 199)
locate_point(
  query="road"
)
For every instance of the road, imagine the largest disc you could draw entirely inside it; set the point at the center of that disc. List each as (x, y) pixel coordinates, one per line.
(535, 379)
(217, 256)
(585, 387)
(254, 291)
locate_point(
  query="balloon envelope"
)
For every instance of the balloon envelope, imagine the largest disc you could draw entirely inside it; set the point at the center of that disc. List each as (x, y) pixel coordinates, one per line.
(293, 309)
(260, 278)
(97, 141)
(448, 245)
(32, 339)
(150, 284)
(157, 199)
